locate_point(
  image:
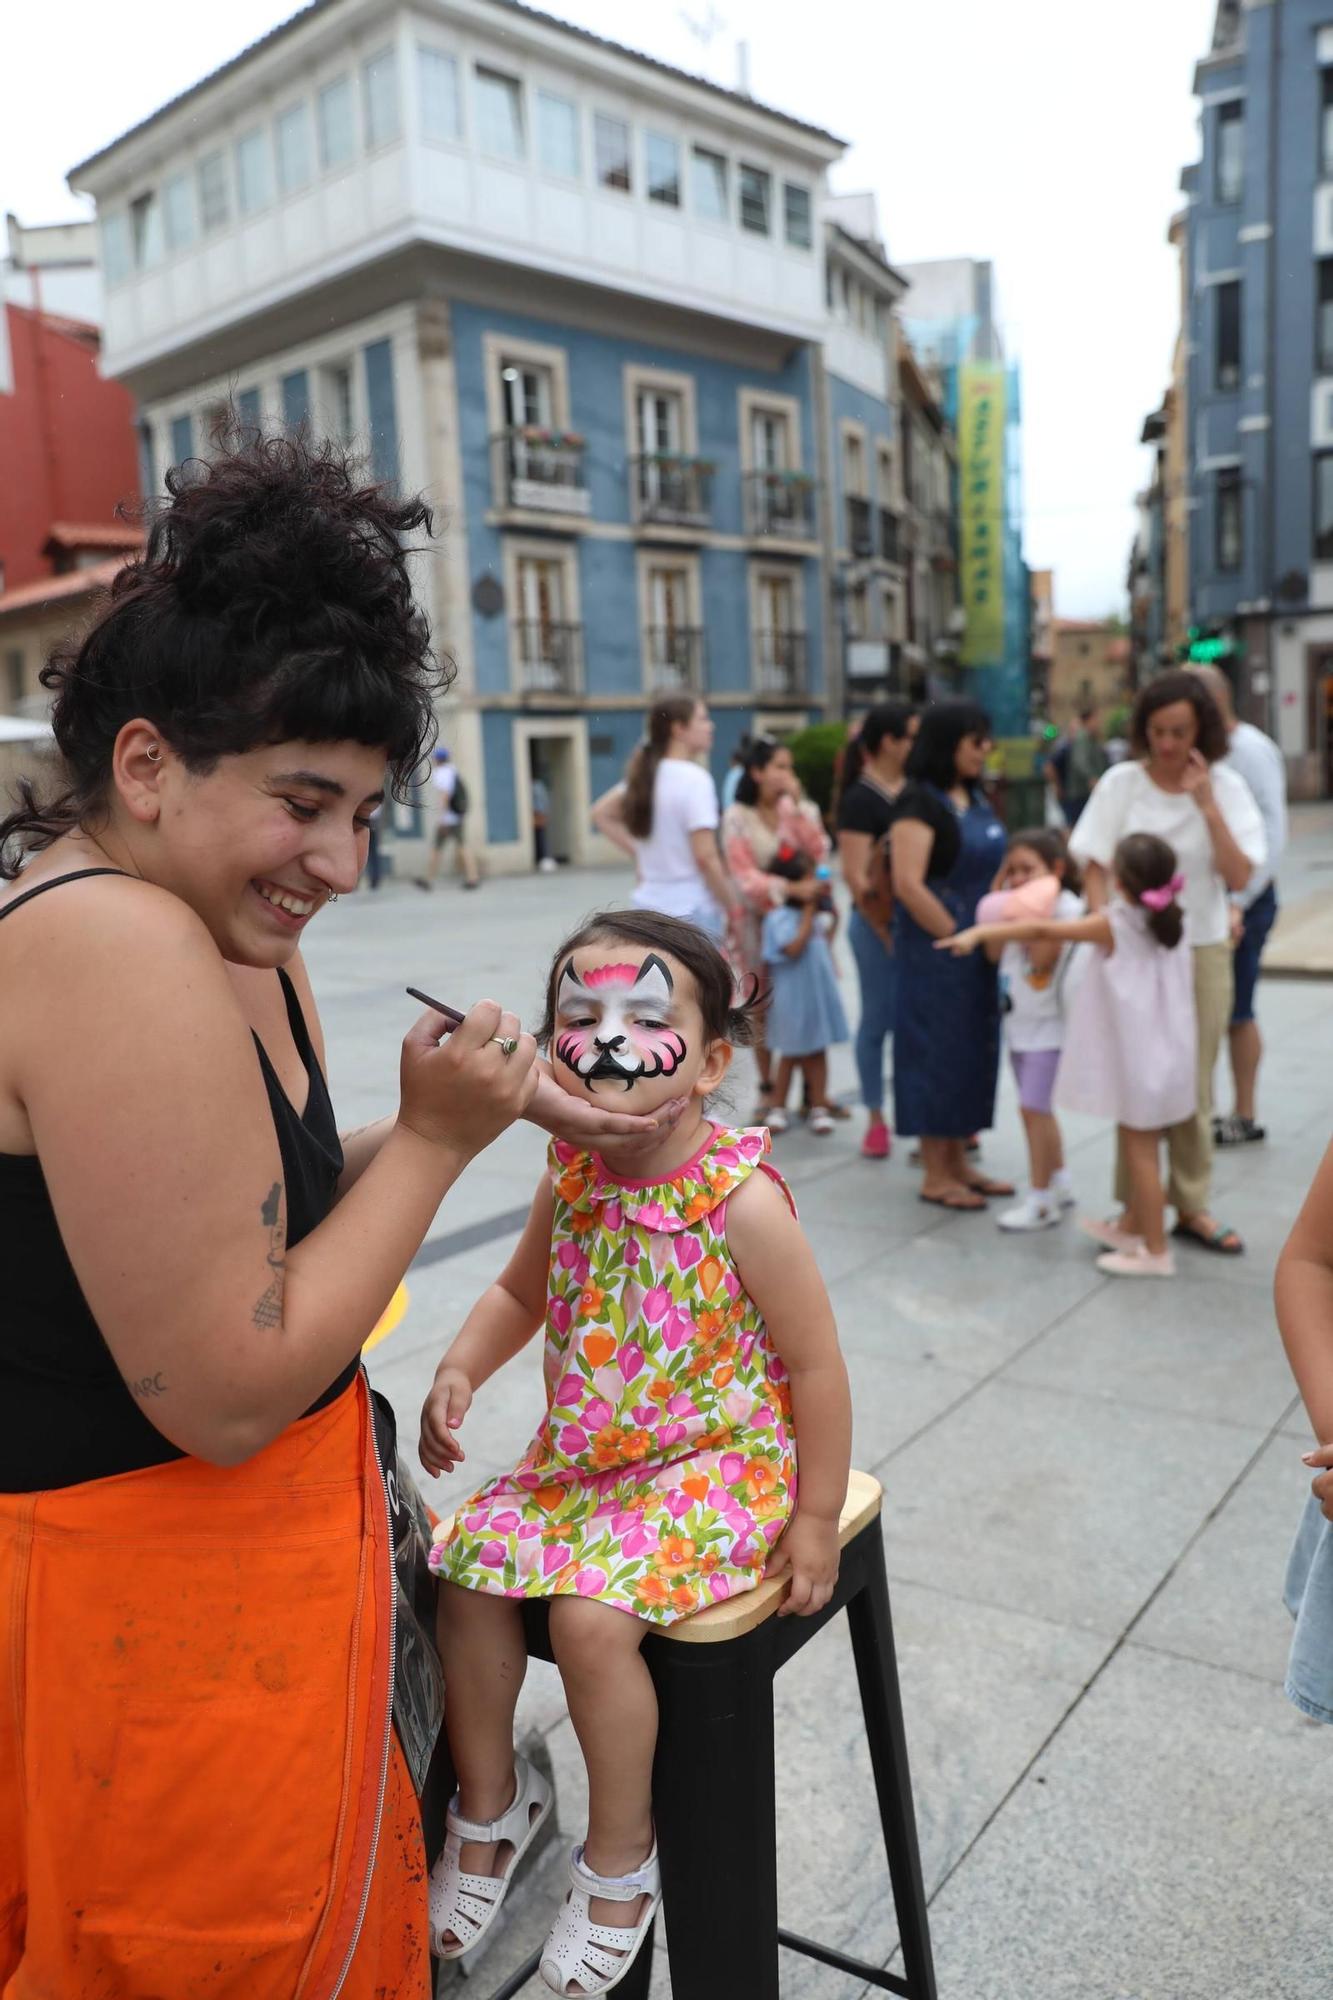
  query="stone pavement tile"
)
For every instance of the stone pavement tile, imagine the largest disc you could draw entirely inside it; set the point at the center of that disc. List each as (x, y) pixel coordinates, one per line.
(1169, 1846)
(1028, 1497)
(1219, 1356)
(1223, 1606)
(892, 1400)
(964, 1295)
(966, 1747)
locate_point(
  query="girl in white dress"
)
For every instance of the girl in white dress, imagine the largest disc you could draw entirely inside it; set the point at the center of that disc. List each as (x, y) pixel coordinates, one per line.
(1131, 1045)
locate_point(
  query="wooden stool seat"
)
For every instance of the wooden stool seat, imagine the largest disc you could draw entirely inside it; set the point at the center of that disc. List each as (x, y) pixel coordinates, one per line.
(716, 1750)
(736, 1615)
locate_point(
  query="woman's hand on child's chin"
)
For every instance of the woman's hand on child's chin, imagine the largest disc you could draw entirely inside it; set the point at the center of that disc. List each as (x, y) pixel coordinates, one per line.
(808, 1552)
(582, 1122)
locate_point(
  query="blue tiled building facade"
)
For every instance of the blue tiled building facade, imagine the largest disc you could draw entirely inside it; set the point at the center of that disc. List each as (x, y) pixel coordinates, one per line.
(1259, 332)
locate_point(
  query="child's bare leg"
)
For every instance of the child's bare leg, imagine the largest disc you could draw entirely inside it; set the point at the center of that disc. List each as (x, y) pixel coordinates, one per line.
(613, 1707)
(1045, 1152)
(481, 1647)
(1146, 1201)
(782, 1081)
(816, 1078)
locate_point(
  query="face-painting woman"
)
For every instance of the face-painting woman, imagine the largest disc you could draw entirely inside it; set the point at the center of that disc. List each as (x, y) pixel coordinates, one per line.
(200, 1788)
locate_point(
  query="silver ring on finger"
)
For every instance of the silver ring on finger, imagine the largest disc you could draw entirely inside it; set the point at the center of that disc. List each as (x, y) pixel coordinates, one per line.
(506, 1043)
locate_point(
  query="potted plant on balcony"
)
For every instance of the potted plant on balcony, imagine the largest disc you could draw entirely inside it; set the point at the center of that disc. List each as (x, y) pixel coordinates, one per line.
(560, 440)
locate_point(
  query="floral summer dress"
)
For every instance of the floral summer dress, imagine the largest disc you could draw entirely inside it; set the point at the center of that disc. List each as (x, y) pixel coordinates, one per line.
(665, 1468)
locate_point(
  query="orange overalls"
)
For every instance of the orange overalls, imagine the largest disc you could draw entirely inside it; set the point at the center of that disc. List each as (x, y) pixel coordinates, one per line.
(201, 1794)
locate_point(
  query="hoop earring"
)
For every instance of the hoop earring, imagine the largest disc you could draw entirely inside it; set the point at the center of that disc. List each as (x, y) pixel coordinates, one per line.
(153, 754)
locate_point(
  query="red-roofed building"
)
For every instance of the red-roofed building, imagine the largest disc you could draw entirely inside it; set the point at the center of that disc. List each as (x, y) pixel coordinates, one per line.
(68, 447)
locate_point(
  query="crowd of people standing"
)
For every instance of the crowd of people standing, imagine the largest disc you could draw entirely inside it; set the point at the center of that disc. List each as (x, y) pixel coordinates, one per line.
(964, 936)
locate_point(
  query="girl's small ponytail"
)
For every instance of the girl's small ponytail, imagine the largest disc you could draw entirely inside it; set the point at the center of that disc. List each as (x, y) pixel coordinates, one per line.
(1145, 867)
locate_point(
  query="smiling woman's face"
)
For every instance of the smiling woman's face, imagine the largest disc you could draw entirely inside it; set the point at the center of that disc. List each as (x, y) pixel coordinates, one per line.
(259, 844)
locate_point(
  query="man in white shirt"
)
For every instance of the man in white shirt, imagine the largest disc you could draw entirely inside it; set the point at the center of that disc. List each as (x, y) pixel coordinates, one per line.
(1257, 759)
(451, 823)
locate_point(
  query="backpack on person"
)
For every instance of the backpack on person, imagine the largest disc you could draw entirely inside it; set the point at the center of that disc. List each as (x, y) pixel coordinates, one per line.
(458, 798)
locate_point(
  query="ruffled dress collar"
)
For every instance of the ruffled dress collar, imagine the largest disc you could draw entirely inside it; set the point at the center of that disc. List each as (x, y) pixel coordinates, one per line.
(727, 1156)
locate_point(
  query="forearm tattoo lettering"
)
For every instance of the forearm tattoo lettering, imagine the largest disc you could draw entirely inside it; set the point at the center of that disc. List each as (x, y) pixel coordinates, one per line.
(268, 1308)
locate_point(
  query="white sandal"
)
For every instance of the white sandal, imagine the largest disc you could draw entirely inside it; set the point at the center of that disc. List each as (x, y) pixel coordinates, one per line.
(596, 1957)
(465, 1906)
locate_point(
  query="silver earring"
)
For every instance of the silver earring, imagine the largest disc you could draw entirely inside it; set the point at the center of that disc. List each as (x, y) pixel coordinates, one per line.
(333, 895)
(154, 754)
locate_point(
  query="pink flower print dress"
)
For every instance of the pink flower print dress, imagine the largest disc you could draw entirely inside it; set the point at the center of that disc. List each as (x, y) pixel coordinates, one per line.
(665, 1468)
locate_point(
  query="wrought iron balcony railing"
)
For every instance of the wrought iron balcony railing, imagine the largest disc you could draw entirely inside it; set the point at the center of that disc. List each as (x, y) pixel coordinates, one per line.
(780, 663)
(548, 658)
(541, 470)
(674, 659)
(671, 490)
(860, 533)
(781, 504)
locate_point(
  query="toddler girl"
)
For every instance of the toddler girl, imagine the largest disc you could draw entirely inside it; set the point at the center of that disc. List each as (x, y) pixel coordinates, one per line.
(1038, 880)
(689, 1345)
(1130, 1050)
(805, 1015)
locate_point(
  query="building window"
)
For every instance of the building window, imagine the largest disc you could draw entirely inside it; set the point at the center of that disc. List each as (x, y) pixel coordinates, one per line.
(147, 458)
(1229, 524)
(661, 421)
(381, 411)
(1324, 321)
(379, 88)
(291, 132)
(853, 466)
(546, 654)
(1229, 177)
(558, 146)
(499, 101)
(182, 438)
(336, 114)
(14, 676)
(214, 201)
(336, 402)
(708, 185)
(779, 651)
(441, 101)
(117, 257)
(610, 139)
(1323, 504)
(528, 392)
(295, 398)
(146, 230)
(663, 161)
(247, 409)
(1227, 308)
(254, 187)
(178, 212)
(797, 215)
(672, 640)
(756, 199)
(1326, 124)
(770, 441)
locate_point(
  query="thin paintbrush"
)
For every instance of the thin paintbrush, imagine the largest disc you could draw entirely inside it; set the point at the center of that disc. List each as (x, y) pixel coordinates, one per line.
(451, 1014)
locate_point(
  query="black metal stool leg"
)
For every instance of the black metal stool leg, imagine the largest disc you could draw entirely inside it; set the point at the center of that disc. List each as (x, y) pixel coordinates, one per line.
(881, 1704)
(713, 1802)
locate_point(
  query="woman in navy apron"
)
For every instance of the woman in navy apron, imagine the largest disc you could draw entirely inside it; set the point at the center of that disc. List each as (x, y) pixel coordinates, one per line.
(947, 848)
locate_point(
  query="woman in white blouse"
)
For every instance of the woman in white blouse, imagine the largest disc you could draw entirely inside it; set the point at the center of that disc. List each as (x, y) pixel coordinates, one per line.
(1171, 786)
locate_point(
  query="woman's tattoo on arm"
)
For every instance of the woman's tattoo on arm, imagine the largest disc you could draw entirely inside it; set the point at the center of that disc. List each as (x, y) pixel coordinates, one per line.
(268, 1309)
(141, 1387)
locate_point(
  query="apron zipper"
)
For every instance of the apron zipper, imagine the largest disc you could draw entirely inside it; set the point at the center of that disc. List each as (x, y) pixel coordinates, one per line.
(388, 1721)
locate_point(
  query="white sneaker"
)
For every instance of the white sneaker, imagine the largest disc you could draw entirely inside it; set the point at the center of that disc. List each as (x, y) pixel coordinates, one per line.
(1139, 1263)
(1033, 1212)
(548, 865)
(776, 1119)
(1062, 1189)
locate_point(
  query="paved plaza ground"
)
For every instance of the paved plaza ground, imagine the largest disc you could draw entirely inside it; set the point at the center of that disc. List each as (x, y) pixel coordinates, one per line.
(1090, 1489)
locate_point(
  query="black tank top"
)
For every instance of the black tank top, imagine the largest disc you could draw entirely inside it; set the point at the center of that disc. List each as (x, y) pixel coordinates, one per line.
(67, 1415)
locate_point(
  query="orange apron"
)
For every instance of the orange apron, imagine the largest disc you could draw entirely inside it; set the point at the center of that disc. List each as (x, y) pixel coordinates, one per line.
(201, 1795)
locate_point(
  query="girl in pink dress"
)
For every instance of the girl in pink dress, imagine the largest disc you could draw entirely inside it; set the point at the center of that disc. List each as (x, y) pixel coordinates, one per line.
(1131, 1045)
(689, 1345)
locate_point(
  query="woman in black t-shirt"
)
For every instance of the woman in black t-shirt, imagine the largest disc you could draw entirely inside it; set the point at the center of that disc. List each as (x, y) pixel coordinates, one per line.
(865, 813)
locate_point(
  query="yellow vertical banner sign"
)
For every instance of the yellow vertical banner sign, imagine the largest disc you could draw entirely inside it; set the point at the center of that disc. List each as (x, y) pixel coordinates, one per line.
(981, 511)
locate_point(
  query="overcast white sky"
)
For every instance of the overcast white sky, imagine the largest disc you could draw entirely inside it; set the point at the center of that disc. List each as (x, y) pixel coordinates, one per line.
(1047, 135)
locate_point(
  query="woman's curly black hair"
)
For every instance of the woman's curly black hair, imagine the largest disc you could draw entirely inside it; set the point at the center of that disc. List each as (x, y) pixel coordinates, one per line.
(272, 604)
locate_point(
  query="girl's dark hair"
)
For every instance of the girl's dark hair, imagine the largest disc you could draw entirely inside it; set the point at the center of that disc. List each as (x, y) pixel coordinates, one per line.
(1179, 684)
(725, 1018)
(1053, 847)
(944, 724)
(758, 751)
(671, 712)
(272, 604)
(791, 864)
(1142, 861)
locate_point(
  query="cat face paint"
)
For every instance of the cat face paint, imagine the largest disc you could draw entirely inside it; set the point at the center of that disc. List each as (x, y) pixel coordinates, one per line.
(613, 1023)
